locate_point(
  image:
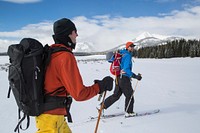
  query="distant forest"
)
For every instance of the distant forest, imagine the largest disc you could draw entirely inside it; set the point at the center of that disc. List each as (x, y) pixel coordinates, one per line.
(177, 48)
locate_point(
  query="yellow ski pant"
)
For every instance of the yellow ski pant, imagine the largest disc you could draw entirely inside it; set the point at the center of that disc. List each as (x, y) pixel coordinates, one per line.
(47, 123)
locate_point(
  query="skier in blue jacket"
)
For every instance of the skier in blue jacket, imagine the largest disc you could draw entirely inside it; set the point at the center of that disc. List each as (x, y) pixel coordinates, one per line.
(124, 81)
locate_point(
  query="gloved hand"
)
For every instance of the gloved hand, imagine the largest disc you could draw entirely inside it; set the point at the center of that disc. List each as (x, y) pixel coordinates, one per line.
(138, 77)
(106, 84)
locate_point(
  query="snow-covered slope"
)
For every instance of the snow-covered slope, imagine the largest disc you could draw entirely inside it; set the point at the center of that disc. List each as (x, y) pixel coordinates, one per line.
(172, 85)
(146, 39)
(146, 35)
(84, 47)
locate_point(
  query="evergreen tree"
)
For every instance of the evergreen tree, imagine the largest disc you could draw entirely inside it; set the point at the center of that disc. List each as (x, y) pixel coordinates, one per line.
(176, 48)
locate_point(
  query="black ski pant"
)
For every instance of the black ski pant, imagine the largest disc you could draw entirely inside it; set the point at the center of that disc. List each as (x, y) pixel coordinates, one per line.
(124, 87)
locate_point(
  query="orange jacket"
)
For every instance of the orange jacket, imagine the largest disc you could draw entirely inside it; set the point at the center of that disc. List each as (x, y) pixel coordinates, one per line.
(63, 71)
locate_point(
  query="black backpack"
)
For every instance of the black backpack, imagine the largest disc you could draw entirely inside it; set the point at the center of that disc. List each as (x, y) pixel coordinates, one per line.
(28, 61)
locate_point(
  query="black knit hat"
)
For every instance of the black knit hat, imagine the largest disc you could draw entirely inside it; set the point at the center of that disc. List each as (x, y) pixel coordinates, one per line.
(63, 27)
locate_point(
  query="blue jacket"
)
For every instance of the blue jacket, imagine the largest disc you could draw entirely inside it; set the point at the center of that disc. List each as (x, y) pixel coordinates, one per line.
(126, 63)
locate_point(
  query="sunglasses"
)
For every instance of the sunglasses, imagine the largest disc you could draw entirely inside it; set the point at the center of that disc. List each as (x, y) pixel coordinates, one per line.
(132, 45)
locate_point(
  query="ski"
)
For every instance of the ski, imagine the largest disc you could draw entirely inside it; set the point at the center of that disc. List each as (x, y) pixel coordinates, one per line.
(123, 114)
(120, 114)
(146, 113)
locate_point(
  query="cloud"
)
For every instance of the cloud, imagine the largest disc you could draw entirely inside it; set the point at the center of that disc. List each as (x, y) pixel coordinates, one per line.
(22, 1)
(106, 32)
(41, 31)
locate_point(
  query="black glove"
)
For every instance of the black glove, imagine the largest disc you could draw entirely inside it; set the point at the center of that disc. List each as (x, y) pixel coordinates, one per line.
(138, 77)
(106, 84)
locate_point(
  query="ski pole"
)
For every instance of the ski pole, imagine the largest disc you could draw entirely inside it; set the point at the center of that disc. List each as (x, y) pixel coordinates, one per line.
(100, 95)
(116, 80)
(131, 96)
(100, 111)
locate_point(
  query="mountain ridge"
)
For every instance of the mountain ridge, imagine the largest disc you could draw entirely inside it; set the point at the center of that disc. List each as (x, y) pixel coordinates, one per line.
(146, 39)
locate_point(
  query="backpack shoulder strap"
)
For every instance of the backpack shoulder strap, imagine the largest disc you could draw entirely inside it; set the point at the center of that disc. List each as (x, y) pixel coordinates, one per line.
(48, 51)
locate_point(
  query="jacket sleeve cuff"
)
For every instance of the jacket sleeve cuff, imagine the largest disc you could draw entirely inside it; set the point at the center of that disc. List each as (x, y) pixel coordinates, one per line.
(133, 76)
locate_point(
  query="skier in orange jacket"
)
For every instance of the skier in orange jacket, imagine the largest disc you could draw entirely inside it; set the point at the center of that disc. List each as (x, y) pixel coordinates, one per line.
(63, 79)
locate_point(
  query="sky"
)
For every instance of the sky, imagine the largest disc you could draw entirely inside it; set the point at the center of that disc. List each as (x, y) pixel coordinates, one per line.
(103, 23)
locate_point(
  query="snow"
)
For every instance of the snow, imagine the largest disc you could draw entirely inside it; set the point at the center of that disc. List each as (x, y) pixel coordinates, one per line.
(145, 35)
(84, 47)
(171, 85)
(147, 39)
(142, 36)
